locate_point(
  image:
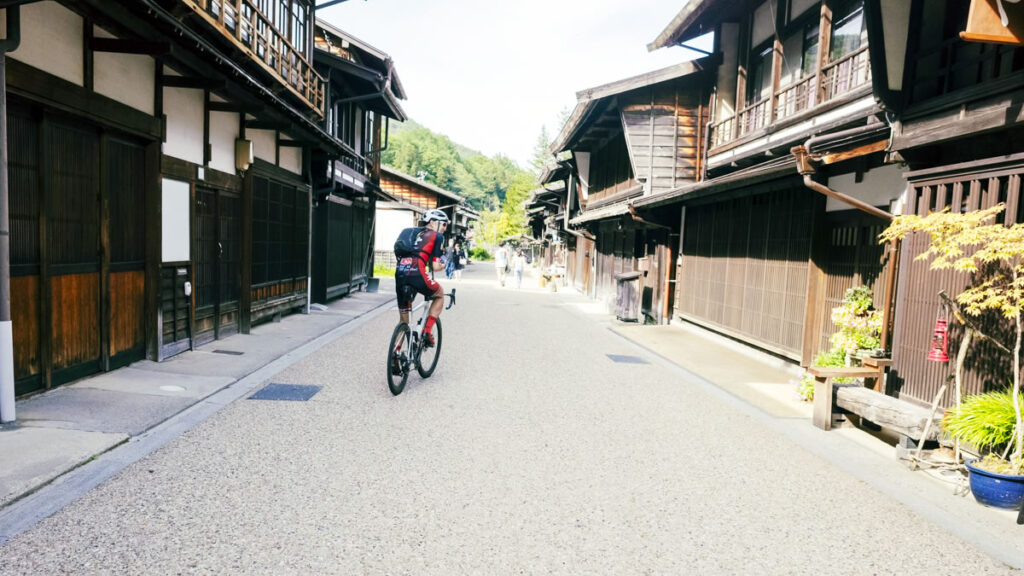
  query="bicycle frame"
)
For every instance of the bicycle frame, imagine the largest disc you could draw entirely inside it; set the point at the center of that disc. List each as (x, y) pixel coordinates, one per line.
(416, 328)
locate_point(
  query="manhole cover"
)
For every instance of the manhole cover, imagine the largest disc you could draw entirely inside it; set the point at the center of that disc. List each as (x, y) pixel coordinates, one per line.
(229, 352)
(622, 359)
(290, 392)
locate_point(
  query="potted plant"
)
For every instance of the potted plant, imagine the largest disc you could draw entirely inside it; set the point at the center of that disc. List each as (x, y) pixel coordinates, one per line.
(969, 242)
(859, 327)
(987, 422)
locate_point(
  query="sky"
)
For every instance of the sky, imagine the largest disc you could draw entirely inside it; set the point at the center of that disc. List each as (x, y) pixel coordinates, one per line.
(490, 73)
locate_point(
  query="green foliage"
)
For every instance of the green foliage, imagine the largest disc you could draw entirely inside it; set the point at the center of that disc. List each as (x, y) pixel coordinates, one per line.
(985, 421)
(969, 242)
(483, 181)
(860, 326)
(480, 254)
(382, 271)
(541, 153)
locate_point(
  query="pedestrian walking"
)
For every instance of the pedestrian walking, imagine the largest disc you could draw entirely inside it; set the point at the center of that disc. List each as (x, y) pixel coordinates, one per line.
(518, 264)
(449, 262)
(459, 255)
(501, 264)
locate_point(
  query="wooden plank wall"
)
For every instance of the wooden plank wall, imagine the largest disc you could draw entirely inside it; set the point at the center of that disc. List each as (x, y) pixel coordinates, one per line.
(409, 193)
(663, 126)
(913, 377)
(745, 268)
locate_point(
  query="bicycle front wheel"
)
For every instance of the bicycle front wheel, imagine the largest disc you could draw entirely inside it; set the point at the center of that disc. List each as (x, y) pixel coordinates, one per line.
(398, 358)
(428, 355)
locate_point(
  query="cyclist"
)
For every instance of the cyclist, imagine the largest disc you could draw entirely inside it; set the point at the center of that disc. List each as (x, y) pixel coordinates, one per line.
(412, 275)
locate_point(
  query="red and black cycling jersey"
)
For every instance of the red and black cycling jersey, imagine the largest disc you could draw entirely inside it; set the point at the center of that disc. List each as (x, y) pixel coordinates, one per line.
(429, 247)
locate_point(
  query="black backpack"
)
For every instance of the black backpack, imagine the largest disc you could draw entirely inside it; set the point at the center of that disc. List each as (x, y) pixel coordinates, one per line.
(405, 246)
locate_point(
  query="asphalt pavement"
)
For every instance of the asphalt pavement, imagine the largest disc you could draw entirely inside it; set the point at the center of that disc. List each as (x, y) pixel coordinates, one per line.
(551, 439)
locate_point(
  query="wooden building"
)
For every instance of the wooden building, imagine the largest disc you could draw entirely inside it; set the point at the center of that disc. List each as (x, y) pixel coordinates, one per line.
(412, 198)
(363, 90)
(769, 242)
(160, 183)
(958, 127)
(632, 139)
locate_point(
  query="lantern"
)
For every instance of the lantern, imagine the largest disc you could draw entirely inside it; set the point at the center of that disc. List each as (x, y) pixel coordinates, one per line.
(940, 338)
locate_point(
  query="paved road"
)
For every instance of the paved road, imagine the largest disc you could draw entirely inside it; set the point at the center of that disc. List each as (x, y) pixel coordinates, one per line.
(509, 460)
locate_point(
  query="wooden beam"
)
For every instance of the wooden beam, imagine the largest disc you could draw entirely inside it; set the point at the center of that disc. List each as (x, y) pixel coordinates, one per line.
(130, 46)
(266, 125)
(233, 107)
(294, 143)
(855, 152)
(195, 82)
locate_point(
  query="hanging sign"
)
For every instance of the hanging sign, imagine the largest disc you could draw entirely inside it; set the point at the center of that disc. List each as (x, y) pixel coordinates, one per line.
(998, 21)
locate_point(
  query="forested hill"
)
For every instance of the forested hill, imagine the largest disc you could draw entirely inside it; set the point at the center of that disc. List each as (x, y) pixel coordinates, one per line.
(484, 182)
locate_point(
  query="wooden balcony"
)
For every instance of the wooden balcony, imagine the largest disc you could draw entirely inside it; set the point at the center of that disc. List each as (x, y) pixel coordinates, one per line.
(839, 78)
(252, 32)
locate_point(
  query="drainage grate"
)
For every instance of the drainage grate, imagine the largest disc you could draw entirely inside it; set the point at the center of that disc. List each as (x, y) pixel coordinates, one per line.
(229, 352)
(626, 359)
(291, 392)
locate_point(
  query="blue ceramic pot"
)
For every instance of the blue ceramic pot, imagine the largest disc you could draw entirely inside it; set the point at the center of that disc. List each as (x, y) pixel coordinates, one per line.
(996, 490)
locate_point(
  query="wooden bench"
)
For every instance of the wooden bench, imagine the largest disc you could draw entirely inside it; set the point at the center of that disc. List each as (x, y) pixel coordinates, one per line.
(868, 402)
(823, 388)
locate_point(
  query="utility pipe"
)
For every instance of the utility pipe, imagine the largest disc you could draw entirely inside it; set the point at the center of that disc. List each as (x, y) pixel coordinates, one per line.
(803, 166)
(8, 44)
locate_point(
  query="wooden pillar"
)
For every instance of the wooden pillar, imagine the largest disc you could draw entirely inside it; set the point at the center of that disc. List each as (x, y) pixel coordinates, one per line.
(154, 257)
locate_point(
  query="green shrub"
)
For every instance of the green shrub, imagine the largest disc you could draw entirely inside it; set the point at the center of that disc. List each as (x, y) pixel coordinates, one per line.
(984, 421)
(479, 253)
(382, 271)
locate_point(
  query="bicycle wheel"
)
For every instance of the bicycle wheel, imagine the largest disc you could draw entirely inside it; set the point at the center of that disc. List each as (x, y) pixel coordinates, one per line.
(427, 356)
(398, 358)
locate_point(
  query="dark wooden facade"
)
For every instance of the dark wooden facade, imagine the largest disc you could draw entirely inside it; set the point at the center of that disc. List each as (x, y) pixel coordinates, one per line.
(90, 160)
(631, 139)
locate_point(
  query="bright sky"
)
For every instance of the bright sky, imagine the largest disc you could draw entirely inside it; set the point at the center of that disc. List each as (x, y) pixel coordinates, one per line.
(488, 74)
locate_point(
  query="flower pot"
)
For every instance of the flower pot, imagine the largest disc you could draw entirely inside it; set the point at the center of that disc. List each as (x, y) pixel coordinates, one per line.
(996, 490)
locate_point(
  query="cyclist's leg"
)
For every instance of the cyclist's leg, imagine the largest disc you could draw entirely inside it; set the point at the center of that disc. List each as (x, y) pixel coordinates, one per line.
(404, 294)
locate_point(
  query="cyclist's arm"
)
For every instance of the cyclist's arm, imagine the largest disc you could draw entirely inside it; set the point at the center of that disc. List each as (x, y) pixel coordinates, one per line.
(435, 258)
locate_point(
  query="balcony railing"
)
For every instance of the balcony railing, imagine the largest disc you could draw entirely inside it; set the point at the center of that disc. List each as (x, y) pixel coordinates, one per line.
(838, 79)
(846, 74)
(253, 32)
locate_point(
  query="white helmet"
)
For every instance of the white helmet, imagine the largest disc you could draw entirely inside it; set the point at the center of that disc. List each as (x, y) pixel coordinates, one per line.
(435, 215)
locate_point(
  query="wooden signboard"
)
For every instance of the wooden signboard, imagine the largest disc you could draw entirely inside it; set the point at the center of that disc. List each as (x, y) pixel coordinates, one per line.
(998, 21)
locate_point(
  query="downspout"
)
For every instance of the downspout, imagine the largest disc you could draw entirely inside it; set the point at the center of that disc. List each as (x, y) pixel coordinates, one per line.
(8, 44)
(804, 167)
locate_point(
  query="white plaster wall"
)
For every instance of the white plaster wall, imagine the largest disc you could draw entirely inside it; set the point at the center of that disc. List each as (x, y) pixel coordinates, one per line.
(264, 143)
(127, 78)
(184, 110)
(51, 40)
(175, 220)
(291, 159)
(389, 223)
(223, 132)
(879, 187)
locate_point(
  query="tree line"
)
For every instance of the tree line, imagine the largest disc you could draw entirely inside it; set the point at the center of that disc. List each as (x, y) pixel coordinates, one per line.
(494, 186)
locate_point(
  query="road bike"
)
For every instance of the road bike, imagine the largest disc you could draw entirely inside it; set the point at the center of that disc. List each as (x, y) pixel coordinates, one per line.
(408, 349)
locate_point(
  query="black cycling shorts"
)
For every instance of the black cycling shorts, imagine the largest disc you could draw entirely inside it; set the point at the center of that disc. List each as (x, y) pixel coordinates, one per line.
(406, 288)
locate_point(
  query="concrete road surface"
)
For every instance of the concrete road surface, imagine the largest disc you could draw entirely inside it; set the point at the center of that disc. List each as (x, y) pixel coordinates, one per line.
(530, 451)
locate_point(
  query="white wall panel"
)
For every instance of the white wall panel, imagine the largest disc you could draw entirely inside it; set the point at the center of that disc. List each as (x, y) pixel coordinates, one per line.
(878, 187)
(184, 110)
(389, 224)
(175, 221)
(291, 159)
(223, 132)
(264, 144)
(51, 40)
(127, 78)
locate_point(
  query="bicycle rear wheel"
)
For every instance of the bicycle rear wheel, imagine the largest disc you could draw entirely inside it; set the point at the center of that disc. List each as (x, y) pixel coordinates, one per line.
(398, 358)
(427, 356)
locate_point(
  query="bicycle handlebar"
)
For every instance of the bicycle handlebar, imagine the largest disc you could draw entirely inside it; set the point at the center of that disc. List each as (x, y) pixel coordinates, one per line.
(452, 303)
